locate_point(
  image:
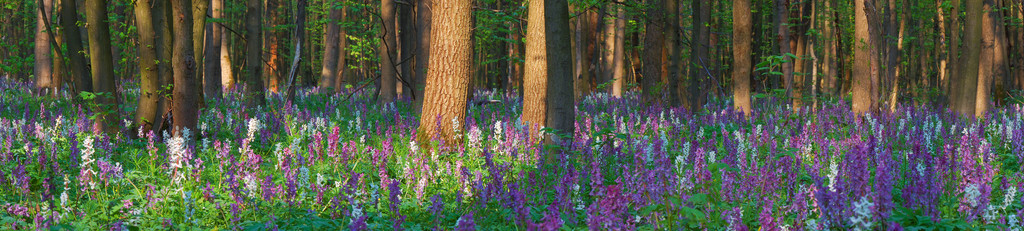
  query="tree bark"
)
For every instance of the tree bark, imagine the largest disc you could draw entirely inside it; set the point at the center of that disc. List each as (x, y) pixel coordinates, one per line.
(272, 45)
(329, 72)
(73, 39)
(407, 24)
(423, 21)
(741, 53)
(698, 57)
(43, 68)
(184, 108)
(212, 60)
(619, 57)
(227, 73)
(654, 42)
(148, 112)
(862, 61)
(103, 80)
(672, 52)
(535, 82)
(253, 45)
(444, 108)
(970, 65)
(387, 51)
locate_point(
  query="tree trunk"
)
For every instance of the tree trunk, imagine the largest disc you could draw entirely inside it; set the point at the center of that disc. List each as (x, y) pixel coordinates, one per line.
(423, 21)
(253, 46)
(103, 80)
(272, 47)
(970, 65)
(387, 52)
(991, 60)
(184, 108)
(299, 35)
(741, 54)
(199, 10)
(164, 52)
(671, 55)
(654, 42)
(785, 48)
(212, 59)
(953, 93)
(148, 112)
(43, 69)
(227, 75)
(619, 57)
(561, 108)
(407, 23)
(698, 56)
(862, 61)
(73, 39)
(341, 69)
(444, 107)
(535, 82)
(329, 73)
(607, 17)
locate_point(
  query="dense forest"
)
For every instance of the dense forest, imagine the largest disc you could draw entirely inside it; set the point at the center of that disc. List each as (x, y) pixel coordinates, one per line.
(232, 106)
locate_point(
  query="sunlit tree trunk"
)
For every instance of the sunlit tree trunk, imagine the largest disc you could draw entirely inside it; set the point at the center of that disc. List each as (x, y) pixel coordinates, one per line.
(619, 57)
(741, 55)
(448, 74)
(227, 73)
(329, 72)
(862, 61)
(43, 68)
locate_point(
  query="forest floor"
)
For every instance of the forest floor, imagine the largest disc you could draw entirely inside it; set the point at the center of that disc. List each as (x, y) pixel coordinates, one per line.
(326, 163)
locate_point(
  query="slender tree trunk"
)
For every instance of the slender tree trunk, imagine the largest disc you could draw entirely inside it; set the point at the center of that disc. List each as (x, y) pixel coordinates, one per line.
(299, 36)
(444, 107)
(608, 50)
(342, 73)
(272, 45)
(671, 20)
(227, 75)
(782, 23)
(654, 42)
(164, 51)
(328, 75)
(619, 57)
(407, 24)
(148, 112)
(103, 80)
(43, 69)
(699, 56)
(73, 39)
(212, 60)
(970, 65)
(253, 45)
(423, 21)
(953, 93)
(387, 51)
(741, 54)
(862, 61)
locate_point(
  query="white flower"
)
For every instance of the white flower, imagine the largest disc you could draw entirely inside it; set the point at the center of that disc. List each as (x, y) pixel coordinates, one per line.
(862, 214)
(254, 126)
(1011, 193)
(971, 195)
(177, 149)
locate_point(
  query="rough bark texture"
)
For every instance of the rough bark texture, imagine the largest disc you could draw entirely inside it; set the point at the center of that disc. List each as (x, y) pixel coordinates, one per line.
(672, 52)
(199, 9)
(992, 61)
(185, 96)
(43, 69)
(741, 54)
(272, 45)
(654, 43)
(148, 112)
(607, 17)
(73, 39)
(862, 61)
(212, 60)
(253, 46)
(329, 72)
(444, 107)
(970, 64)
(387, 50)
(103, 80)
(535, 82)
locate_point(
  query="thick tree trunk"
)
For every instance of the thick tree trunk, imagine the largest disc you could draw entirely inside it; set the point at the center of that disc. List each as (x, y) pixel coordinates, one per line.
(862, 61)
(671, 52)
(607, 17)
(227, 73)
(444, 107)
(184, 108)
(103, 80)
(741, 54)
(199, 9)
(253, 46)
(535, 82)
(698, 57)
(953, 93)
(991, 61)
(387, 50)
(272, 46)
(970, 65)
(329, 72)
(148, 112)
(212, 60)
(561, 108)
(43, 69)
(73, 39)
